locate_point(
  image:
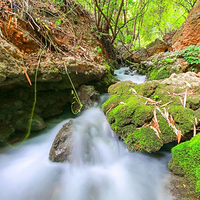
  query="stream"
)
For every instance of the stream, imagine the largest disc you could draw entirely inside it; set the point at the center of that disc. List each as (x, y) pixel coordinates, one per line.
(102, 168)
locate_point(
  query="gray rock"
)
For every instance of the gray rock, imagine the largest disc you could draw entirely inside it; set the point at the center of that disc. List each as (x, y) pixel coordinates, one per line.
(20, 122)
(88, 96)
(62, 146)
(6, 131)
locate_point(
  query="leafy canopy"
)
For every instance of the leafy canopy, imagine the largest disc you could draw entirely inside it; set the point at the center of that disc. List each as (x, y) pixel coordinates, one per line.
(137, 22)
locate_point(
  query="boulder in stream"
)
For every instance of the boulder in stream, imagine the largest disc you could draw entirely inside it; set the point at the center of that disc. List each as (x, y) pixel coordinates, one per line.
(88, 96)
(148, 115)
(62, 146)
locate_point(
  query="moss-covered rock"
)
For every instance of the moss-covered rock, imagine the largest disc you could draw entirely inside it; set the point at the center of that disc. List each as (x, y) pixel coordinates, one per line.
(183, 117)
(143, 139)
(185, 162)
(131, 111)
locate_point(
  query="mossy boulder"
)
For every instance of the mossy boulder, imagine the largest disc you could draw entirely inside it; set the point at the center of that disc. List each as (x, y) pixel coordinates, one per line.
(148, 115)
(186, 162)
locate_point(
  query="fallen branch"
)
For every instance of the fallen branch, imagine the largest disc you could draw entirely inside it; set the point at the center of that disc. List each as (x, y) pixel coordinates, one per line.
(185, 99)
(27, 76)
(146, 98)
(156, 132)
(171, 124)
(166, 104)
(195, 131)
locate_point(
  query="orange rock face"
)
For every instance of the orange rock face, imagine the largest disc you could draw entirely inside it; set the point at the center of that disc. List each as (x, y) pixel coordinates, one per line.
(189, 33)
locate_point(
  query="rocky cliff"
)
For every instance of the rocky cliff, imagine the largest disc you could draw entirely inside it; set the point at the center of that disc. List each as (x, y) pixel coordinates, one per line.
(48, 51)
(189, 33)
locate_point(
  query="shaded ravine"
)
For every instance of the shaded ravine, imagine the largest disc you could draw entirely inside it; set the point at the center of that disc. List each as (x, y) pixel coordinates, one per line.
(101, 168)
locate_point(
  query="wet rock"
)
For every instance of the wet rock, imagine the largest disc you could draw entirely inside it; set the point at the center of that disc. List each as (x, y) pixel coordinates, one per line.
(131, 110)
(88, 96)
(6, 131)
(62, 146)
(53, 87)
(20, 122)
(11, 62)
(188, 34)
(2, 77)
(61, 68)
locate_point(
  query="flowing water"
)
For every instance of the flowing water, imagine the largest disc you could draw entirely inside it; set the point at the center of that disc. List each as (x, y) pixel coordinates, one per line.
(102, 168)
(125, 74)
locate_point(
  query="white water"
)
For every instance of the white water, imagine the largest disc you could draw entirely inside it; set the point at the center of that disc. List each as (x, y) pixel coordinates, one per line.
(132, 76)
(102, 168)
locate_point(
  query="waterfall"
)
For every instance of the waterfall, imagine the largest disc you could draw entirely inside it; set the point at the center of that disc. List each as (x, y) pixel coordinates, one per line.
(101, 167)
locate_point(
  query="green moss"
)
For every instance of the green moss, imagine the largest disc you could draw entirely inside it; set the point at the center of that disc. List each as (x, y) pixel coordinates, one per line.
(113, 101)
(143, 139)
(146, 89)
(197, 187)
(116, 100)
(143, 114)
(157, 74)
(186, 159)
(122, 114)
(162, 91)
(193, 102)
(168, 134)
(127, 111)
(197, 114)
(183, 117)
(123, 87)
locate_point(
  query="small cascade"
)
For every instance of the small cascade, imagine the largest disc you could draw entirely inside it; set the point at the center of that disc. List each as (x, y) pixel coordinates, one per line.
(101, 168)
(125, 74)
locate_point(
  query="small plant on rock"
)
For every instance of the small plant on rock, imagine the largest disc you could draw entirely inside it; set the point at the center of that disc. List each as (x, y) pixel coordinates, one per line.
(192, 54)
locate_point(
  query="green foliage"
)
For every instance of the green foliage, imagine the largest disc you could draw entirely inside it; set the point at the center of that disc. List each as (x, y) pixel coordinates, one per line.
(59, 2)
(140, 21)
(192, 54)
(168, 60)
(58, 22)
(98, 49)
(92, 28)
(155, 97)
(157, 74)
